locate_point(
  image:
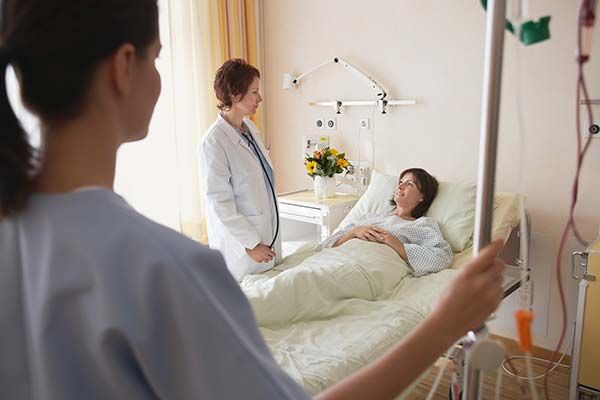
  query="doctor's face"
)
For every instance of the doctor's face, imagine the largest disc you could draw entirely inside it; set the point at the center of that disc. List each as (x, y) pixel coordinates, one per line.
(248, 104)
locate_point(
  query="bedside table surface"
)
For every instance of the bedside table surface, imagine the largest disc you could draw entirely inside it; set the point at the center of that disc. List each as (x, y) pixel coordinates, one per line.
(308, 198)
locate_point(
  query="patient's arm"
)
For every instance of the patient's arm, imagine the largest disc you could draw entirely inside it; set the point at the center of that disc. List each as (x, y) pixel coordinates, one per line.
(454, 315)
(368, 233)
(386, 237)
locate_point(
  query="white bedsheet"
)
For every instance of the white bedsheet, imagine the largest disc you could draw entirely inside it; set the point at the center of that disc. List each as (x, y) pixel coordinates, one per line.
(328, 314)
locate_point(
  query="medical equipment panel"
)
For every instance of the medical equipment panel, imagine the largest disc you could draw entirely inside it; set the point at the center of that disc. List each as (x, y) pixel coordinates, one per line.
(585, 375)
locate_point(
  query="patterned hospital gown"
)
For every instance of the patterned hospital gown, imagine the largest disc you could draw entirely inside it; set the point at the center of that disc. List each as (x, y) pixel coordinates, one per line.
(424, 244)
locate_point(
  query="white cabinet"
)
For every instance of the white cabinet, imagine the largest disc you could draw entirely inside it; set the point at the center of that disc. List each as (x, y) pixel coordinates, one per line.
(303, 206)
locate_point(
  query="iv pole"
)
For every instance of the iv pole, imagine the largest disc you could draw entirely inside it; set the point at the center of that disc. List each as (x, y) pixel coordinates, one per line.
(492, 79)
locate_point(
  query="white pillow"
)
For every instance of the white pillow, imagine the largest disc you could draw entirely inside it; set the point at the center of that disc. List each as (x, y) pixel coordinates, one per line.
(375, 200)
(453, 208)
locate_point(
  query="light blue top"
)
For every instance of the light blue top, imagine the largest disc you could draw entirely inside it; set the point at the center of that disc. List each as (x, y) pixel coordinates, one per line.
(99, 302)
(426, 249)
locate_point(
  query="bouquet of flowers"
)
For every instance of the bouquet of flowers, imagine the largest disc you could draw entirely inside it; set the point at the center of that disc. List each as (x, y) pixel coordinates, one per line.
(326, 162)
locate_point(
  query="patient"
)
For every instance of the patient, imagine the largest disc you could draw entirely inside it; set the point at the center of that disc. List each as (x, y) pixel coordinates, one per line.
(417, 239)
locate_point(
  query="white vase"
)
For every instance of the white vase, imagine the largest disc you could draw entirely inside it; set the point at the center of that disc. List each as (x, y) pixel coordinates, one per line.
(324, 187)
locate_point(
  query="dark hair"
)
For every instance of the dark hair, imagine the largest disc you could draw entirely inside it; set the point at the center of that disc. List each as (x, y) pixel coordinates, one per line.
(426, 184)
(55, 47)
(233, 78)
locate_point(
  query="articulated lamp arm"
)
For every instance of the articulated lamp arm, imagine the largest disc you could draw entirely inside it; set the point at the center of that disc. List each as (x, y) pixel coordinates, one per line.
(289, 81)
(380, 91)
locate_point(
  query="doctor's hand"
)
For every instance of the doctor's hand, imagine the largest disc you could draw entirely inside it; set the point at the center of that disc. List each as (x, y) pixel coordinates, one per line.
(261, 253)
(474, 294)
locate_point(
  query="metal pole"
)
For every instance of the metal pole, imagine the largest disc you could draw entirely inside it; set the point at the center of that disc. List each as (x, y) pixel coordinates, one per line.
(492, 82)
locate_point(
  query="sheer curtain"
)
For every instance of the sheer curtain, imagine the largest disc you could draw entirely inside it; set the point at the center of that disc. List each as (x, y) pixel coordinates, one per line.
(159, 175)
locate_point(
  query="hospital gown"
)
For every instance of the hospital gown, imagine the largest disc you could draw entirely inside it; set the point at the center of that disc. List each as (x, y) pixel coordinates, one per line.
(425, 247)
(98, 302)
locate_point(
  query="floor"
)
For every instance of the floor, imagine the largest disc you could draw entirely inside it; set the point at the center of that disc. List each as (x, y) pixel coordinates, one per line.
(558, 380)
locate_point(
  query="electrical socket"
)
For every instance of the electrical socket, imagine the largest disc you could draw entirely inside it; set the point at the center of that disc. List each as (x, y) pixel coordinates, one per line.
(593, 130)
(319, 123)
(331, 124)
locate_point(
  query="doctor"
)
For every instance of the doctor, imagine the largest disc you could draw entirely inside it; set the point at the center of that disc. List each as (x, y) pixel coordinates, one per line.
(237, 176)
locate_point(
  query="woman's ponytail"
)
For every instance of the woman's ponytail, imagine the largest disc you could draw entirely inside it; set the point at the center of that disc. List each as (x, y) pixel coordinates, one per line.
(56, 46)
(16, 153)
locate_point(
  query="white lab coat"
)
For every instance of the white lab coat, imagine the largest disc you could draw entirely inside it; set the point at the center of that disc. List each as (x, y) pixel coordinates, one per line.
(239, 205)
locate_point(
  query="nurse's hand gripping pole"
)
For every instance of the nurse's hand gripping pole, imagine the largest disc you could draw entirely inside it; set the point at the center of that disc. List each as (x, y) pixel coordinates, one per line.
(494, 43)
(481, 349)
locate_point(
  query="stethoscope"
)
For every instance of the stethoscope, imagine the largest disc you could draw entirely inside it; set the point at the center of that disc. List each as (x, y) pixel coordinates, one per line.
(248, 136)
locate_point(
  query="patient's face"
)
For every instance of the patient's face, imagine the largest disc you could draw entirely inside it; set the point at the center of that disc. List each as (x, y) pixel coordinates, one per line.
(407, 193)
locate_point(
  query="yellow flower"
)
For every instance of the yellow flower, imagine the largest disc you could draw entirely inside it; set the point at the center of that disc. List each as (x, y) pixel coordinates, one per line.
(342, 163)
(333, 151)
(310, 167)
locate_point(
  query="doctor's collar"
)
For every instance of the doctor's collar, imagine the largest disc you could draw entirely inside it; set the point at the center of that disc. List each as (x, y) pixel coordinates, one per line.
(242, 131)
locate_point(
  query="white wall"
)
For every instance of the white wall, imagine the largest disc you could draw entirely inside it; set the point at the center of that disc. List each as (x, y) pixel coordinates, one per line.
(146, 171)
(433, 52)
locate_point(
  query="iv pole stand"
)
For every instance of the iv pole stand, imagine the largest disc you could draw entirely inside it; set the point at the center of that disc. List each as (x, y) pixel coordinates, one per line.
(492, 82)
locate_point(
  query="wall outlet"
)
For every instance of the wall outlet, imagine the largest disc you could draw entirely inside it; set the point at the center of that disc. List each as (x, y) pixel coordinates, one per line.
(365, 123)
(312, 142)
(331, 124)
(594, 130)
(319, 123)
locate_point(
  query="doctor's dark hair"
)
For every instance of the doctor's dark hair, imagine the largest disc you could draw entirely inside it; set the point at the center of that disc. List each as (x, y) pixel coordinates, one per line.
(55, 47)
(232, 79)
(426, 184)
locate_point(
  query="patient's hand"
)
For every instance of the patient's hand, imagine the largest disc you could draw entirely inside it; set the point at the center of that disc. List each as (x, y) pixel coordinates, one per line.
(386, 237)
(368, 233)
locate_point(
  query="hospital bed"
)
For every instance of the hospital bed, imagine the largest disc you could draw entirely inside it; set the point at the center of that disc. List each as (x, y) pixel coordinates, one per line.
(326, 315)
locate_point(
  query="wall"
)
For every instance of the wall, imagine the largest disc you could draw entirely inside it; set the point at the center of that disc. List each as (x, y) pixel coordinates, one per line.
(146, 169)
(433, 52)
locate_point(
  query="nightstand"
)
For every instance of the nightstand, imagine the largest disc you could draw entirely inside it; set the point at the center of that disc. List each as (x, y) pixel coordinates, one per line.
(305, 207)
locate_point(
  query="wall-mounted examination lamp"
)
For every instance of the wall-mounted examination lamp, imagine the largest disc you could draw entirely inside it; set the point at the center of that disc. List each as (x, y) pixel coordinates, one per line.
(289, 82)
